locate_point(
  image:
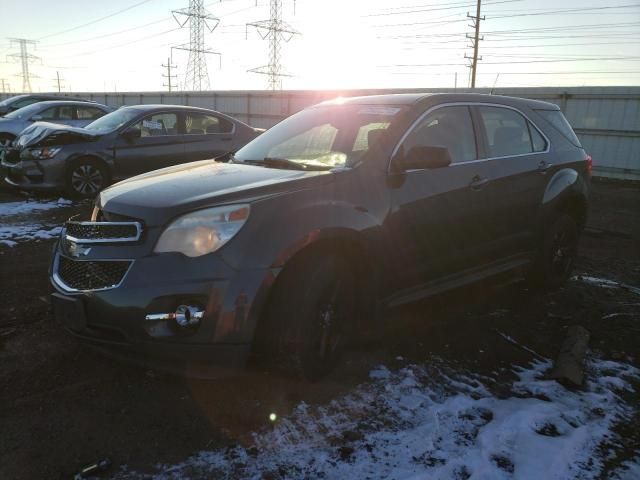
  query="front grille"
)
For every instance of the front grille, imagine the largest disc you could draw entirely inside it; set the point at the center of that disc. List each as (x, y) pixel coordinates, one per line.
(103, 232)
(87, 275)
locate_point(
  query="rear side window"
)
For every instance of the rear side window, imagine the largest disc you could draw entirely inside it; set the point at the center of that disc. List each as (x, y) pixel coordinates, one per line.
(24, 102)
(159, 125)
(560, 123)
(200, 124)
(509, 133)
(449, 127)
(89, 113)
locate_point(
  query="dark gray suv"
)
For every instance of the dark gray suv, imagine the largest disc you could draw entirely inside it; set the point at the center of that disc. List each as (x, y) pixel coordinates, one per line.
(127, 142)
(288, 250)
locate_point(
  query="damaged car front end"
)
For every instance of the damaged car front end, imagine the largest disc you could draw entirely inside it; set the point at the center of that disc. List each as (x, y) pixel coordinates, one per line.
(38, 158)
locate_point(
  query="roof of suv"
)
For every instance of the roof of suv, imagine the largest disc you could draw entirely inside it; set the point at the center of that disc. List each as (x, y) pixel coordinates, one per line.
(435, 98)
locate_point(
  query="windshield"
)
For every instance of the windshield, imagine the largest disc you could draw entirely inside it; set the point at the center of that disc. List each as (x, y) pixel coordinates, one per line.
(327, 136)
(24, 112)
(114, 120)
(10, 100)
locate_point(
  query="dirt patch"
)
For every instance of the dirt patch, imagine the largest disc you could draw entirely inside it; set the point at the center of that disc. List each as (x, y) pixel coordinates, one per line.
(64, 406)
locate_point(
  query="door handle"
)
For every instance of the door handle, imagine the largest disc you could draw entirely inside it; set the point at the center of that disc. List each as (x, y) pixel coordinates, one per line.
(478, 183)
(543, 166)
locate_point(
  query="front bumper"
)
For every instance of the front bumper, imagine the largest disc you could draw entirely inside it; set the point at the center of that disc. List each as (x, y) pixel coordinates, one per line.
(115, 318)
(34, 174)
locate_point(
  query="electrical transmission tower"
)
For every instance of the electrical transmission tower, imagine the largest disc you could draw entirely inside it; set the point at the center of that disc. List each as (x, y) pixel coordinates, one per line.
(475, 40)
(197, 76)
(276, 31)
(168, 76)
(25, 59)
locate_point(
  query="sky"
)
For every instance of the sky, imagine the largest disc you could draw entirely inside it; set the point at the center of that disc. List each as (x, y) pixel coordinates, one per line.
(120, 45)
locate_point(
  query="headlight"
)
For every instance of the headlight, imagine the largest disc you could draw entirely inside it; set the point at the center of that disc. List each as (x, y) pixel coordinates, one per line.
(203, 231)
(44, 153)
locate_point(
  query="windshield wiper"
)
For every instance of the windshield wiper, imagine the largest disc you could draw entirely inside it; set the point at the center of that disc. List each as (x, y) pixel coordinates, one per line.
(284, 163)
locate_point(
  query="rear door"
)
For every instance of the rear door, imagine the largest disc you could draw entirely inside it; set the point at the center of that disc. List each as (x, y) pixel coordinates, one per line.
(206, 136)
(516, 154)
(434, 226)
(159, 145)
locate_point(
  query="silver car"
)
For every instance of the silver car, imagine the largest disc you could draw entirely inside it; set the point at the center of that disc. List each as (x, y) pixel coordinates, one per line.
(72, 113)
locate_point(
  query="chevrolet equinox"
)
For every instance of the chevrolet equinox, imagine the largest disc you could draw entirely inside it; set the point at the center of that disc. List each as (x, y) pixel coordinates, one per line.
(292, 246)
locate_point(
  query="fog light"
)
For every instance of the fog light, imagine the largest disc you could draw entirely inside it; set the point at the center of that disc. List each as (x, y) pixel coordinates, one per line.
(185, 316)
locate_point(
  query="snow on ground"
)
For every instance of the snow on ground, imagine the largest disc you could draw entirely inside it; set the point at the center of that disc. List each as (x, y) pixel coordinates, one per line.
(605, 283)
(436, 422)
(17, 223)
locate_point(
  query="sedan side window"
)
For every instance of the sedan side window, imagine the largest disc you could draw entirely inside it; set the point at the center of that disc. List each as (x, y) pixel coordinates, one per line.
(200, 124)
(89, 113)
(48, 114)
(158, 125)
(449, 127)
(65, 113)
(507, 132)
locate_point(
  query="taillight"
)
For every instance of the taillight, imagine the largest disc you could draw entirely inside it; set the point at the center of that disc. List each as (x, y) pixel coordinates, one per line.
(589, 164)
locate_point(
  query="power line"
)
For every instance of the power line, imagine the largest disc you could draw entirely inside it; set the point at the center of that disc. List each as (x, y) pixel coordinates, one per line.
(276, 30)
(445, 6)
(571, 11)
(95, 21)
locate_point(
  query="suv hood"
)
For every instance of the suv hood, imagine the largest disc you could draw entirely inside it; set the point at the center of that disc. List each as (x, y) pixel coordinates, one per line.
(42, 134)
(157, 197)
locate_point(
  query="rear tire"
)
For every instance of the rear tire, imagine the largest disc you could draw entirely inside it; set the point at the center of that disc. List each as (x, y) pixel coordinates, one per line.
(310, 316)
(556, 258)
(85, 178)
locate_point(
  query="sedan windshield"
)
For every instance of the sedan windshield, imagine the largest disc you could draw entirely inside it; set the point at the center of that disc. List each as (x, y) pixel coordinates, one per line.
(25, 112)
(10, 100)
(114, 120)
(327, 136)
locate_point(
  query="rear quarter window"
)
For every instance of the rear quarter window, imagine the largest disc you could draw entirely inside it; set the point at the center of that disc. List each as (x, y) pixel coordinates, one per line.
(560, 123)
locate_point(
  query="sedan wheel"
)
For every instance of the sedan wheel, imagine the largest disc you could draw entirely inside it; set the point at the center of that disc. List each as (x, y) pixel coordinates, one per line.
(86, 179)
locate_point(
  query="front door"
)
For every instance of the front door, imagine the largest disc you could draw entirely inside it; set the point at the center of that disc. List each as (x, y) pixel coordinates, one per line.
(158, 145)
(435, 226)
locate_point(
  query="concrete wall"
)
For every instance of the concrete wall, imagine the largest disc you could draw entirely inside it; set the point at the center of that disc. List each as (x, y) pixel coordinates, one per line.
(607, 119)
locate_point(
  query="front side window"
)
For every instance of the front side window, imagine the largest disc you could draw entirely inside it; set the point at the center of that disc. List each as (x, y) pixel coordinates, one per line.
(48, 114)
(88, 113)
(322, 137)
(507, 132)
(158, 125)
(201, 124)
(65, 113)
(449, 127)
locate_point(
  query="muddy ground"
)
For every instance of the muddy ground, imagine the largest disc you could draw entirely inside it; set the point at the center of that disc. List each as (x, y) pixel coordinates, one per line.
(63, 406)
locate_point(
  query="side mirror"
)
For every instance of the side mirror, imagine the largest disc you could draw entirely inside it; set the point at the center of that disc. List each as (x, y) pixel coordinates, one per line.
(421, 157)
(36, 118)
(131, 133)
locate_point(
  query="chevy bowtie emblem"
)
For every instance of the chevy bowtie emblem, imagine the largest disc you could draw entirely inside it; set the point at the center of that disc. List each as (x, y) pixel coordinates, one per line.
(76, 250)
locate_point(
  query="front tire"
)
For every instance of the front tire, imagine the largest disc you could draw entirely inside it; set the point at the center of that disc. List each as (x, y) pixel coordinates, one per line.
(86, 178)
(310, 316)
(557, 256)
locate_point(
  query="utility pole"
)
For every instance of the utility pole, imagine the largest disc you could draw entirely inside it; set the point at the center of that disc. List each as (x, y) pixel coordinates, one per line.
(168, 76)
(5, 86)
(58, 81)
(197, 76)
(25, 59)
(475, 40)
(276, 30)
